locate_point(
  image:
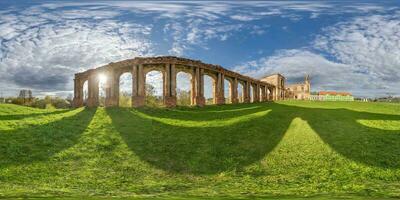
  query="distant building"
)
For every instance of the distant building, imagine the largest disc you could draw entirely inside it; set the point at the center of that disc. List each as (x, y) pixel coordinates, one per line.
(299, 91)
(332, 96)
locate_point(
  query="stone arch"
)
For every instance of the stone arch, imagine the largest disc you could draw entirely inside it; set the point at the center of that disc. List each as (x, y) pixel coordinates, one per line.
(154, 67)
(154, 86)
(85, 91)
(240, 91)
(188, 71)
(102, 85)
(125, 82)
(210, 88)
(184, 88)
(229, 92)
(251, 93)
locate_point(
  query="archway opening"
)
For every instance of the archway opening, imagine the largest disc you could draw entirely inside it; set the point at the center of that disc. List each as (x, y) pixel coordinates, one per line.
(102, 89)
(183, 89)
(240, 88)
(209, 90)
(227, 91)
(125, 90)
(251, 92)
(154, 89)
(85, 92)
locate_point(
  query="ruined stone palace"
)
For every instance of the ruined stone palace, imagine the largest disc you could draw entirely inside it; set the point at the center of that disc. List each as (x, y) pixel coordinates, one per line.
(299, 91)
(254, 90)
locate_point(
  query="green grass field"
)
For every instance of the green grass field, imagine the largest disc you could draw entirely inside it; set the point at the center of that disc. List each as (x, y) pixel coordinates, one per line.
(267, 150)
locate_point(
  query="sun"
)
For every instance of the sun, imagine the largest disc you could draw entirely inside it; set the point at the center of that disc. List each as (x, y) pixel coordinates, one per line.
(102, 78)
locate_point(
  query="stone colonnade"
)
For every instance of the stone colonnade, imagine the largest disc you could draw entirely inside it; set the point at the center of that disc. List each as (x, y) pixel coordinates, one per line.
(169, 67)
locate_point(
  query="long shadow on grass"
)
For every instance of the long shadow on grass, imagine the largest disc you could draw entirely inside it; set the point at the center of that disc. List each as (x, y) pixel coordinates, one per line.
(368, 145)
(22, 116)
(194, 141)
(201, 147)
(38, 143)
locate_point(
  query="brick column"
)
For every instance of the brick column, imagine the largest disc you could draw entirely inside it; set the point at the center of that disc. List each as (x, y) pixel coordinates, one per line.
(138, 86)
(275, 94)
(199, 99)
(246, 92)
(170, 85)
(193, 89)
(78, 93)
(112, 89)
(257, 93)
(234, 91)
(93, 90)
(220, 97)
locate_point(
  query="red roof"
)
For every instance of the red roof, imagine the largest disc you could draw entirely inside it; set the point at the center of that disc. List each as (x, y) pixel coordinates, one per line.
(334, 93)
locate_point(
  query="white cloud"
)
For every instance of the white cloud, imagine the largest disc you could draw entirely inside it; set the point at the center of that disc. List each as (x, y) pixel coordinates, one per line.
(49, 42)
(244, 17)
(370, 44)
(364, 58)
(295, 65)
(42, 50)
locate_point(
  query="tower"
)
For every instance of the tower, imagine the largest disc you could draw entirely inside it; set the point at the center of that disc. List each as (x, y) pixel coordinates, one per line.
(307, 84)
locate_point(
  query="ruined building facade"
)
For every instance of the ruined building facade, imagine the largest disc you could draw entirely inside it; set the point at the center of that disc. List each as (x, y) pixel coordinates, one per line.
(299, 91)
(269, 88)
(253, 90)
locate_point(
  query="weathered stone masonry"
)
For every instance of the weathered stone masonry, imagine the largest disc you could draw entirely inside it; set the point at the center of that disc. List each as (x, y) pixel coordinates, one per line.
(169, 67)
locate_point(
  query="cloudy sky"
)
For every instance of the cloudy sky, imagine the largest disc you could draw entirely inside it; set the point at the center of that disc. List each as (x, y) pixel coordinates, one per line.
(344, 46)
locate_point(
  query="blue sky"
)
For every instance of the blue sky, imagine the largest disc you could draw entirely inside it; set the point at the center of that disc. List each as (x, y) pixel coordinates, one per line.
(344, 45)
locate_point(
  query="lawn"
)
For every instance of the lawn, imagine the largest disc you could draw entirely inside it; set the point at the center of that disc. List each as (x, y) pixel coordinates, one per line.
(285, 149)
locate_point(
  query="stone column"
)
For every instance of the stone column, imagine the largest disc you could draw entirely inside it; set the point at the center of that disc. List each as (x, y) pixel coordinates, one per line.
(263, 93)
(274, 94)
(269, 93)
(246, 92)
(193, 89)
(115, 91)
(234, 91)
(138, 86)
(220, 97)
(170, 85)
(199, 99)
(112, 89)
(78, 93)
(257, 93)
(93, 90)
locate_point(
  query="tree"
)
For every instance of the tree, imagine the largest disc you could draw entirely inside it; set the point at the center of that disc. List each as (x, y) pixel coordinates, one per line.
(183, 97)
(151, 98)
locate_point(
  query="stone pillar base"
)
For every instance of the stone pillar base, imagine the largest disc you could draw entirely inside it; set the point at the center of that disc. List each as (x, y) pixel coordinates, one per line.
(220, 100)
(170, 101)
(200, 101)
(92, 102)
(110, 102)
(76, 103)
(138, 101)
(235, 100)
